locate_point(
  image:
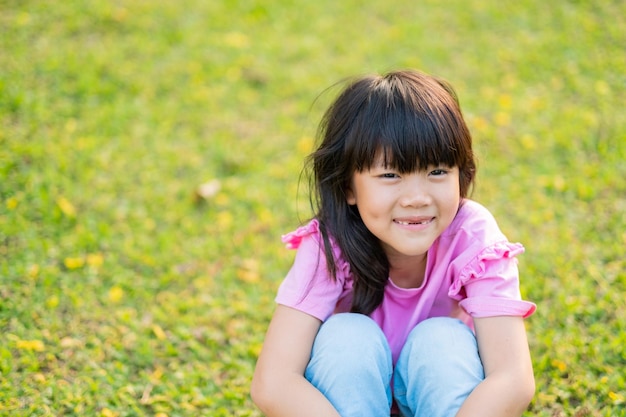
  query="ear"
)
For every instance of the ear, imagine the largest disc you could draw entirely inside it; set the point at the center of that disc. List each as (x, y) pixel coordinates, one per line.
(350, 197)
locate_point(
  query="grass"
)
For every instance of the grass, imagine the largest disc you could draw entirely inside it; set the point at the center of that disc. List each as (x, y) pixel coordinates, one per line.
(127, 290)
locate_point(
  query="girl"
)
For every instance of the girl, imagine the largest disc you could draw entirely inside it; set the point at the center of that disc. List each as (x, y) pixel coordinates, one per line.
(404, 295)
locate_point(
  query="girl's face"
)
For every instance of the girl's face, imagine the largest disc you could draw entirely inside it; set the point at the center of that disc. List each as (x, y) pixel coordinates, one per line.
(406, 212)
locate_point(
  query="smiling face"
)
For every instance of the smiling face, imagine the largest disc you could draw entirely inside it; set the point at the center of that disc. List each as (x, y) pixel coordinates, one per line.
(405, 211)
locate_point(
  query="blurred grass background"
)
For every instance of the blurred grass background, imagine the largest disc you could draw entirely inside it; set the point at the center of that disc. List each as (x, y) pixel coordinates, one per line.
(150, 154)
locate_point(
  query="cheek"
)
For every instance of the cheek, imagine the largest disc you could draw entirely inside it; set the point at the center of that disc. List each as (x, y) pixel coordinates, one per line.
(371, 207)
(449, 201)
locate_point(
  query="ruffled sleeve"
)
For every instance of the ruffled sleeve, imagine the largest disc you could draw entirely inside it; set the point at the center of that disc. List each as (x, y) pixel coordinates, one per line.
(309, 286)
(489, 284)
(294, 239)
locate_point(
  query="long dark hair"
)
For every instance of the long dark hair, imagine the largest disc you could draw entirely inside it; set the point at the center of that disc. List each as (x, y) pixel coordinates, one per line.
(416, 121)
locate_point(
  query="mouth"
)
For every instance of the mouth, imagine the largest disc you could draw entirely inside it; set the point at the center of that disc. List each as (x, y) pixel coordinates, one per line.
(414, 221)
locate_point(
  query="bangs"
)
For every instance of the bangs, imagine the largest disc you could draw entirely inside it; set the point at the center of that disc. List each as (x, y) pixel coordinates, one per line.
(407, 131)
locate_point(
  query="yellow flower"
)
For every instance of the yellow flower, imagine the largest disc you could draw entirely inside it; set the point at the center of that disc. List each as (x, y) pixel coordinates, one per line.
(225, 219)
(105, 412)
(305, 144)
(155, 376)
(66, 207)
(11, 203)
(95, 259)
(33, 271)
(39, 377)
(560, 365)
(52, 302)
(116, 294)
(503, 119)
(249, 271)
(32, 345)
(529, 142)
(158, 332)
(479, 124)
(73, 262)
(505, 101)
(616, 397)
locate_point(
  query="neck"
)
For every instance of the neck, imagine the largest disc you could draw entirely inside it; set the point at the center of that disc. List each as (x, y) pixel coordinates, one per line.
(408, 272)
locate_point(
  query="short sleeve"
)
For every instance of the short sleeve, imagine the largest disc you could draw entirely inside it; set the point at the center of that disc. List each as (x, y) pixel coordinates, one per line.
(309, 286)
(489, 284)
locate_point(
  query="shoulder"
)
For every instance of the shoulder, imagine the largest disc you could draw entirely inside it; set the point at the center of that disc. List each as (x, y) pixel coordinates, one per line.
(472, 212)
(474, 222)
(293, 240)
(309, 286)
(308, 241)
(482, 265)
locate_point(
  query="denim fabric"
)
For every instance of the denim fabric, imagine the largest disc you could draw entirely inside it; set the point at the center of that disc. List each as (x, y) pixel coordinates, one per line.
(437, 369)
(351, 365)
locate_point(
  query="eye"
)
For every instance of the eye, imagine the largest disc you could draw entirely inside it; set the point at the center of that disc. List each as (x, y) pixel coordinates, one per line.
(438, 172)
(389, 175)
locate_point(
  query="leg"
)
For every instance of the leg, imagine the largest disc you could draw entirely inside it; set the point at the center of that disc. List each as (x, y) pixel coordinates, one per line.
(351, 365)
(437, 369)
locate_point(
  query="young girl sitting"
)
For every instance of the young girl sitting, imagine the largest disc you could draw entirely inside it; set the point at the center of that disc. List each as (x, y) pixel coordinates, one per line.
(404, 295)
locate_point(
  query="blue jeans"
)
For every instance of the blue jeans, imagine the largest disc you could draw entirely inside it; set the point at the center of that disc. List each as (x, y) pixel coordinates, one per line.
(437, 369)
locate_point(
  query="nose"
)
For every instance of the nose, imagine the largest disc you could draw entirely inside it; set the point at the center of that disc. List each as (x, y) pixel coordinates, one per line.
(415, 192)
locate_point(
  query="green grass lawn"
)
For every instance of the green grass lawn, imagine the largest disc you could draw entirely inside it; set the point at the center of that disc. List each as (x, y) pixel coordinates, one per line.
(128, 289)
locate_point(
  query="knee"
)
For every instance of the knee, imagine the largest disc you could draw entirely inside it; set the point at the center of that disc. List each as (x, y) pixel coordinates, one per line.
(441, 346)
(350, 337)
(442, 331)
(439, 366)
(349, 346)
(348, 329)
(438, 339)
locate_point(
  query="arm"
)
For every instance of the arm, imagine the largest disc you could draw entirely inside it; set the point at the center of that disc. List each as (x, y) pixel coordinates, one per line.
(278, 386)
(509, 383)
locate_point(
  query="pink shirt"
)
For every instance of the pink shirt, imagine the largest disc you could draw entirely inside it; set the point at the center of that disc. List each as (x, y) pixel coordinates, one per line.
(471, 271)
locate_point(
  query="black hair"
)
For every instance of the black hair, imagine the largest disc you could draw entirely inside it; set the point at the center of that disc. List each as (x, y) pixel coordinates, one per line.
(415, 120)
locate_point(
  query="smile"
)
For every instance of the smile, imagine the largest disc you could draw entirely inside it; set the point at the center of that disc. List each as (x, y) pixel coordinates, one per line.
(412, 222)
